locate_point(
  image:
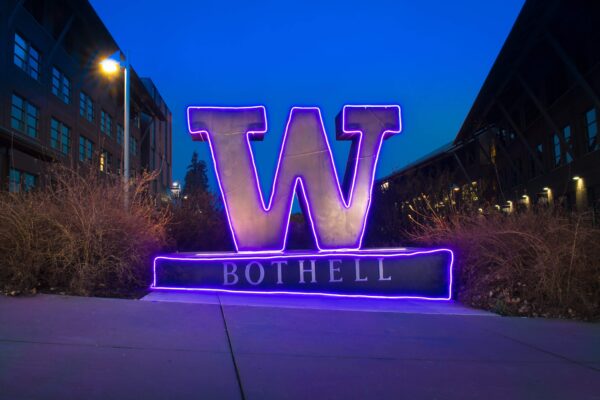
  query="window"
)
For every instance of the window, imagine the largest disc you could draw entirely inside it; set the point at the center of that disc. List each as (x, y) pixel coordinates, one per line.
(26, 57)
(591, 122)
(119, 134)
(133, 146)
(24, 116)
(86, 149)
(557, 150)
(105, 161)
(61, 85)
(60, 136)
(29, 181)
(569, 149)
(14, 180)
(86, 107)
(105, 123)
(19, 180)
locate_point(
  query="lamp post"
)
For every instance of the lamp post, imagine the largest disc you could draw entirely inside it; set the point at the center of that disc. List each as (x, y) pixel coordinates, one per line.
(109, 66)
(175, 189)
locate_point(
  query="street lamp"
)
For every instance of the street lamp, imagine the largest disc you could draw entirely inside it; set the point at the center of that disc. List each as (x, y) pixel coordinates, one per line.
(175, 189)
(110, 66)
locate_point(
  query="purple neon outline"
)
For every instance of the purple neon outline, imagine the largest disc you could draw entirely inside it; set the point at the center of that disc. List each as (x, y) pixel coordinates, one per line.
(205, 135)
(370, 253)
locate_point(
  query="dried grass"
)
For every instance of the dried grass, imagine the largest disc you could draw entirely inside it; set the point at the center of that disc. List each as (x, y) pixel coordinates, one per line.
(532, 263)
(74, 235)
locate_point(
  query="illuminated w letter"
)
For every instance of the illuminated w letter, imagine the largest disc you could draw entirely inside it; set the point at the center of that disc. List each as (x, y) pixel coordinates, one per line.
(305, 167)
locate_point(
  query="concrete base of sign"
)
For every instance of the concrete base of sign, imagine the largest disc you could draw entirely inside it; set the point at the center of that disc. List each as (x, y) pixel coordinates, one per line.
(378, 273)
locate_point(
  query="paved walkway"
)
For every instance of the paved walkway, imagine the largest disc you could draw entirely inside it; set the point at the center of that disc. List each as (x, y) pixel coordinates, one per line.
(184, 346)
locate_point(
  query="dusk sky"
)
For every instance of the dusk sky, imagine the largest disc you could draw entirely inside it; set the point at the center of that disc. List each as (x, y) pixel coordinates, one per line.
(431, 57)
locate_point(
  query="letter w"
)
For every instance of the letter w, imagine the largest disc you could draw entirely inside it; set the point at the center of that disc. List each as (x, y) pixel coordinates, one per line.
(305, 167)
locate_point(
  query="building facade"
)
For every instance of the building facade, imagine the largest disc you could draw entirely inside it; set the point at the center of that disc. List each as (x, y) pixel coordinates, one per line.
(531, 136)
(56, 105)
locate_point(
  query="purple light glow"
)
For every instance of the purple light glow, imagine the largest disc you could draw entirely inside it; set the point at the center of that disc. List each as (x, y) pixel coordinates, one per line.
(337, 219)
(203, 134)
(378, 253)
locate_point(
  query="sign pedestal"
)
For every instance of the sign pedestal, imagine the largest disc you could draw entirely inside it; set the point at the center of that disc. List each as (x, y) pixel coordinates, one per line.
(371, 273)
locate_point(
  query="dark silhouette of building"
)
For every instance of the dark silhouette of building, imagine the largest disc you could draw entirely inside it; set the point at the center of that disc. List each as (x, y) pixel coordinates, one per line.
(531, 135)
(56, 105)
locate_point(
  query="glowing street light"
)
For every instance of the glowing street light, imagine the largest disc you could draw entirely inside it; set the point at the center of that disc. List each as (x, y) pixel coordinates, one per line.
(111, 66)
(176, 189)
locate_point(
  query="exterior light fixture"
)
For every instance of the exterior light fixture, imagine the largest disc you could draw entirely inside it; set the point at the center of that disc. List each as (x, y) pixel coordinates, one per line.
(110, 66)
(175, 189)
(576, 178)
(546, 189)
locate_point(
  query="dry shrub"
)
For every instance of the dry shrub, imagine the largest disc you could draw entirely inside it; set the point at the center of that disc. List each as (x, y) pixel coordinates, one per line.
(531, 263)
(74, 235)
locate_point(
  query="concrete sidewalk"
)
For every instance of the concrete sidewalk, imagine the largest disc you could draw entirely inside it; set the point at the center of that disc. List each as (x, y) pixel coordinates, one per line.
(182, 346)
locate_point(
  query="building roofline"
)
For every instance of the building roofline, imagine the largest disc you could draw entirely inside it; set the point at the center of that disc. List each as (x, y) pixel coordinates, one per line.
(533, 14)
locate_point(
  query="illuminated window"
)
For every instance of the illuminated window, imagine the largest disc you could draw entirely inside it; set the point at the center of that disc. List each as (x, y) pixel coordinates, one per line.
(24, 116)
(86, 107)
(103, 161)
(60, 136)
(61, 85)
(26, 57)
(591, 122)
(86, 149)
(493, 153)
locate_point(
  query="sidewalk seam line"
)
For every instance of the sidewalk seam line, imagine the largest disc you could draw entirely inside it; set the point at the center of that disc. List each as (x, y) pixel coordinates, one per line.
(551, 353)
(235, 366)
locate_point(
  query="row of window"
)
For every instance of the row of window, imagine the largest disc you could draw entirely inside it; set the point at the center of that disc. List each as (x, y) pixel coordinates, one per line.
(563, 154)
(25, 118)
(26, 57)
(561, 151)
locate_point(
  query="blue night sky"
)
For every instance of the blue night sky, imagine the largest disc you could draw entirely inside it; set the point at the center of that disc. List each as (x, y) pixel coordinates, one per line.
(431, 57)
